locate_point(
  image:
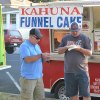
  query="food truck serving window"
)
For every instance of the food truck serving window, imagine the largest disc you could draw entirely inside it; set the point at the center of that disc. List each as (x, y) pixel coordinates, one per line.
(96, 33)
(96, 17)
(57, 37)
(91, 22)
(58, 34)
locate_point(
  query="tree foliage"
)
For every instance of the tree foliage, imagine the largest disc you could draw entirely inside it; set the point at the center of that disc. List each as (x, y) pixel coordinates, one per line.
(37, 1)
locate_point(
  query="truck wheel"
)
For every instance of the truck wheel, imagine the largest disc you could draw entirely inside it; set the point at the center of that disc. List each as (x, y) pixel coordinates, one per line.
(9, 50)
(60, 91)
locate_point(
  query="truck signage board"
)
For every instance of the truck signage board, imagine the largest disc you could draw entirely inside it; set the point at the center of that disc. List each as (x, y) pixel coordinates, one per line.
(50, 17)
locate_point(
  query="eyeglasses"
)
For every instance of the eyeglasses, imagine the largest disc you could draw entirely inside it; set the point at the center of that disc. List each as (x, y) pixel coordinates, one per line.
(36, 37)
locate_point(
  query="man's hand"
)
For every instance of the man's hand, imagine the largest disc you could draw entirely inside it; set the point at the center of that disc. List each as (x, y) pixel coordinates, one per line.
(46, 56)
(71, 47)
(80, 49)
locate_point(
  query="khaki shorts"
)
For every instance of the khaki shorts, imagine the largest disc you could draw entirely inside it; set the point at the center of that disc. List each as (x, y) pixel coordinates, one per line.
(32, 89)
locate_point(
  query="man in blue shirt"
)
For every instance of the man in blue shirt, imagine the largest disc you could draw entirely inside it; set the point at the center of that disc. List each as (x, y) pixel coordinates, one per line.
(32, 87)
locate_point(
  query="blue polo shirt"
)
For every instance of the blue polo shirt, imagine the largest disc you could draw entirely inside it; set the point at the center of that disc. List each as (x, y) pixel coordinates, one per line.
(31, 70)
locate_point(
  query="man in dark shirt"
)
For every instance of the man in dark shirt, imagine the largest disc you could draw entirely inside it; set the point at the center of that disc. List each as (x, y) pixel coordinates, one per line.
(77, 48)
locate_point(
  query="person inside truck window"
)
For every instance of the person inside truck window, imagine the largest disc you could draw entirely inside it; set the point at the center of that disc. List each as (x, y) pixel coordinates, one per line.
(32, 87)
(76, 47)
(56, 43)
(86, 14)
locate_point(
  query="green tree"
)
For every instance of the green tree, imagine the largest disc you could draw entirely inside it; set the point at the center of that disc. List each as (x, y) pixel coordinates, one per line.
(37, 1)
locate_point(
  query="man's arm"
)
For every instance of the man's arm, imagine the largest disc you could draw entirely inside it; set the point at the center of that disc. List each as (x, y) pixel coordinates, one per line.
(43, 56)
(86, 52)
(32, 58)
(62, 50)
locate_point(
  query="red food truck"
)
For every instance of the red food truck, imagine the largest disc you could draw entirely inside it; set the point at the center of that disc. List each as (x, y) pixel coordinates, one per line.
(54, 72)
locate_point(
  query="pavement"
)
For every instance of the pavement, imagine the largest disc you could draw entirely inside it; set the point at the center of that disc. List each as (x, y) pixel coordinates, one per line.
(9, 96)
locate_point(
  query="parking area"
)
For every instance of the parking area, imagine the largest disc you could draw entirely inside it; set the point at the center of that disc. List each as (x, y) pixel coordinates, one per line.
(8, 96)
